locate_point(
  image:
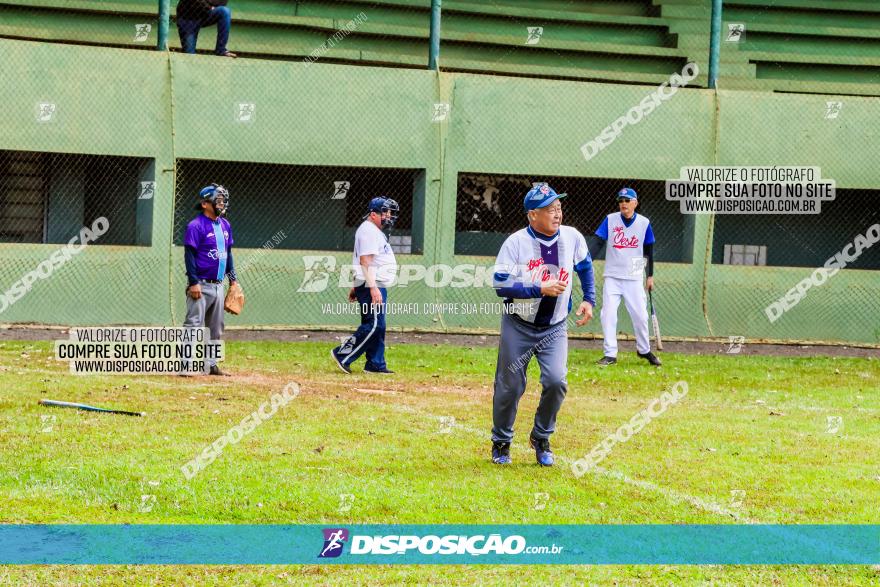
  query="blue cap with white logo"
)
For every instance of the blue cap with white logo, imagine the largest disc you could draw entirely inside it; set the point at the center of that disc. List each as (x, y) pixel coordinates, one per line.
(540, 196)
(627, 193)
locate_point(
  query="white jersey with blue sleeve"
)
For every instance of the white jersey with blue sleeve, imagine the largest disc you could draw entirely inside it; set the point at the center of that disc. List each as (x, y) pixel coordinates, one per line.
(625, 253)
(528, 258)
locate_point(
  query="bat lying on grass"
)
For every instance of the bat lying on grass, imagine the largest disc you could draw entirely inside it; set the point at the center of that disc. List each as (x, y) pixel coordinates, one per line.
(58, 404)
(655, 323)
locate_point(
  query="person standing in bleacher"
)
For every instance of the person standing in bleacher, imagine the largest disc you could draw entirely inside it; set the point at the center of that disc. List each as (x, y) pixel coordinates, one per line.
(192, 15)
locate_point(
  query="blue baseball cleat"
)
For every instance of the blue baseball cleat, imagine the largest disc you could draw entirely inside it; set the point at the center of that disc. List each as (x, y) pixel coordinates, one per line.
(542, 451)
(339, 363)
(501, 453)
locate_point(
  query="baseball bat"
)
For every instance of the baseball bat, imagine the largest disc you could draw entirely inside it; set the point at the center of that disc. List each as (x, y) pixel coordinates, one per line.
(655, 323)
(59, 404)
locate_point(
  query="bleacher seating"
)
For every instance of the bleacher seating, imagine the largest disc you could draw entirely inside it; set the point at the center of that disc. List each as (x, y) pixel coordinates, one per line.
(809, 46)
(620, 40)
(789, 45)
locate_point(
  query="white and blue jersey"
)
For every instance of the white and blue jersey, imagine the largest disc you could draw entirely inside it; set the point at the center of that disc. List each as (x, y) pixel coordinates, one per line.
(625, 253)
(528, 258)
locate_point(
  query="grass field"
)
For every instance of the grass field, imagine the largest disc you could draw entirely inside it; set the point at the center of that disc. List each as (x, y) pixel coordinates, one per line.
(749, 443)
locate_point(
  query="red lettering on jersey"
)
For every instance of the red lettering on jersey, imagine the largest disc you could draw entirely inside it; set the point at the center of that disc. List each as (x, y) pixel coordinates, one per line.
(563, 274)
(534, 263)
(546, 275)
(621, 242)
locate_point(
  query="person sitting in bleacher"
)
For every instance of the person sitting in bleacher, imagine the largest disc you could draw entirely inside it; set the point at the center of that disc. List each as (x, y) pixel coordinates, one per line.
(192, 15)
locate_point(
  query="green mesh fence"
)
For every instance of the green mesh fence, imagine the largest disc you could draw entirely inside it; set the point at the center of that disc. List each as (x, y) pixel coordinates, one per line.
(331, 103)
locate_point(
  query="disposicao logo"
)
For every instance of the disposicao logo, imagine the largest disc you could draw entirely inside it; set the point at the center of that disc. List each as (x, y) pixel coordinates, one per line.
(479, 545)
(334, 540)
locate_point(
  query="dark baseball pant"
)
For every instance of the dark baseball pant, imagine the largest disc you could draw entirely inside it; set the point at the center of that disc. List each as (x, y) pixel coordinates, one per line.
(369, 338)
(519, 342)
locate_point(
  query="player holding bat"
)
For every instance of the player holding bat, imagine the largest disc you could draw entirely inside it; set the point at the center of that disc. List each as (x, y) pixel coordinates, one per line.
(628, 259)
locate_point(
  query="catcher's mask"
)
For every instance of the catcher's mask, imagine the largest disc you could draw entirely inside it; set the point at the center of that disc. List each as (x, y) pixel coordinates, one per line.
(212, 193)
(382, 205)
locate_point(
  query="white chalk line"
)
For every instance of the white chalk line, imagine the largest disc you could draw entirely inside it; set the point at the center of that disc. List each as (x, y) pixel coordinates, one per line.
(671, 494)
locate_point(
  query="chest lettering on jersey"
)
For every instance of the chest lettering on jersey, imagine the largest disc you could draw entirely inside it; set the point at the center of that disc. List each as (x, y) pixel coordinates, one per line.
(561, 276)
(536, 268)
(620, 240)
(542, 273)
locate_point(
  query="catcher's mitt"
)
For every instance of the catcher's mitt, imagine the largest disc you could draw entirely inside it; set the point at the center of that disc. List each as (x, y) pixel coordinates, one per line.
(234, 299)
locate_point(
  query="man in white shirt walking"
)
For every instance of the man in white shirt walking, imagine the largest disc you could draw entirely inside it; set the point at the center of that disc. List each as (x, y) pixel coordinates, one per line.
(375, 268)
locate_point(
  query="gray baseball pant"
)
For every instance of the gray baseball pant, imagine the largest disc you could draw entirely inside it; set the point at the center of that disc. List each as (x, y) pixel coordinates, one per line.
(519, 342)
(207, 311)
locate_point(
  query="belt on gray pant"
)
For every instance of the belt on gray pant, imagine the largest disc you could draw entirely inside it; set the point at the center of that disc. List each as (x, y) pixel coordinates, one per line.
(210, 281)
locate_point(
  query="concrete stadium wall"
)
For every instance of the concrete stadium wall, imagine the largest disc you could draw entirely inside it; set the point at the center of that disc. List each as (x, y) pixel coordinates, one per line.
(171, 106)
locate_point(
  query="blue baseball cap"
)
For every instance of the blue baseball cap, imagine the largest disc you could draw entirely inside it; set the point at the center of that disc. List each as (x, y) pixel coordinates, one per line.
(627, 193)
(377, 205)
(540, 196)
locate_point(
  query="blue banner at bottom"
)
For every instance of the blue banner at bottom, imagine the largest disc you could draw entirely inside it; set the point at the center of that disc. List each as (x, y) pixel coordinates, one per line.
(441, 544)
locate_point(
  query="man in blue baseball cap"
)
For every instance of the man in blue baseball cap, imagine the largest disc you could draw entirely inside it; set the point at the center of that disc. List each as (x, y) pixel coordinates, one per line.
(629, 260)
(375, 268)
(541, 196)
(533, 275)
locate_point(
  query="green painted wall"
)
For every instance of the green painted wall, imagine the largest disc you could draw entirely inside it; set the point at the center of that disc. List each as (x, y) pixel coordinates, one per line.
(171, 106)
